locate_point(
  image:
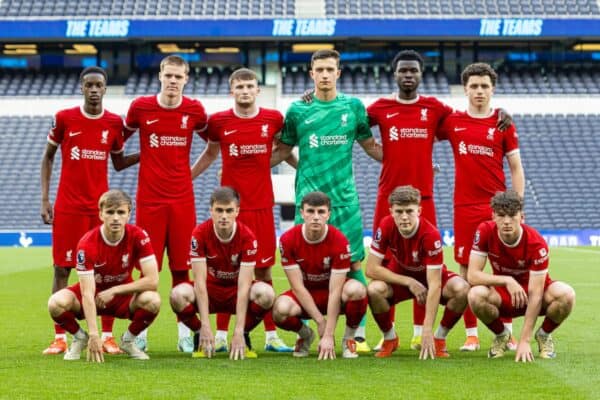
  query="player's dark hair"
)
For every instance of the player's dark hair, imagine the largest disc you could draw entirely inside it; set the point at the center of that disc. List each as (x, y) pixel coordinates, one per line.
(323, 54)
(478, 69)
(224, 195)
(316, 199)
(405, 195)
(114, 198)
(407, 55)
(174, 59)
(93, 70)
(507, 203)
(242, 74)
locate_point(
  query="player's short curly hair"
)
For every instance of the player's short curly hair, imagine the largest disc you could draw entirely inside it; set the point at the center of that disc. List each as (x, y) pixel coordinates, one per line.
(404, 195)
(316, 199)
(507, 203)
(174, 59)
(114, 198)
(242, 74)
(323, 54)
(407, 55)
(224, 195)
(93, 70)
(478, 69)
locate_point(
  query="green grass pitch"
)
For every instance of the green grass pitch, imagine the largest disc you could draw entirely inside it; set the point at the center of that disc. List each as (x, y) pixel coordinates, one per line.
(26, 329)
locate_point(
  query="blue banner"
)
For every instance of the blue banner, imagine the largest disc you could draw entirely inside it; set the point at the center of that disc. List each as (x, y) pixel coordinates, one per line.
(554, 238)
(284, 28)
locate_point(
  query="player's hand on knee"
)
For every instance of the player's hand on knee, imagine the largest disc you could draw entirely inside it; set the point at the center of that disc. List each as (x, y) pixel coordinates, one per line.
(95, 353)
(418, 290)
(524, 353)
(517, 293)
(326, 348)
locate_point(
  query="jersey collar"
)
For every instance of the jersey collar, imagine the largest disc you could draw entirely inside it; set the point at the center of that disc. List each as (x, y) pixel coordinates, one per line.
(246, 116)
(108, 242)
(90, 116)
(166, 106)
(314, 241)
(515, 244)
(230, 238)
(411, 101)
(492, 111)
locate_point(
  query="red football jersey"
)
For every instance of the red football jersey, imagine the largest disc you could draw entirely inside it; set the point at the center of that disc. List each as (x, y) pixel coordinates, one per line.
(223, 257)
(316, 259)
(165, 142)
(479, 149)
(408, 130)
(246, 146)
(528, 256)
(411, 256)
(112, 263)
(85, 143)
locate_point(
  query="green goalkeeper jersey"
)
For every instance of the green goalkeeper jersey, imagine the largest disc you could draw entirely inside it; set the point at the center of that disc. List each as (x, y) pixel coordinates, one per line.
(324, 132)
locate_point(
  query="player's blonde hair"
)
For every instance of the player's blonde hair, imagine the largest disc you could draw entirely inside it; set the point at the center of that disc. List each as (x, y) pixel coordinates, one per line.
(507, 203)
(114, 198)
(174, 59)
(242, 74)
(405, 195)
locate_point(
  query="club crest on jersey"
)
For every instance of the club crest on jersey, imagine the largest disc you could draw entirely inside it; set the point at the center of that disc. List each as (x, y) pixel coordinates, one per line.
(326, 262)
(344, 120)
(461, 250)
(477, 237)
(234, 259)
(104, 139)
(264, 131)
(378, 235)
(184, 121)
(415, 256)
(69, 255)
(490, 134)
(125, 261)
(543, 252)
(521, 263)
(194, 244)
(424, 114)
(80, 257)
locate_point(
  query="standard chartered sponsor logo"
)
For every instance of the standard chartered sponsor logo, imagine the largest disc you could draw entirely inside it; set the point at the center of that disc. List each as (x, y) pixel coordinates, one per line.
(313, 141)
(475, 149)
(413, 133)
(154, 140)
(85, 154)
(393, 134)
(233, 150)
(247, 149)
(167, 141)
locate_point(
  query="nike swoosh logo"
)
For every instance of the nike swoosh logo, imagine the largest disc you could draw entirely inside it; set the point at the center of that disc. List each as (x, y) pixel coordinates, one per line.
(264, 260)
(299, 259)
(309, 121)
(99, 265)
(229, 132)
(391, 115)
(71, 134)
(151, 121)
(459, 129)
(207, 256)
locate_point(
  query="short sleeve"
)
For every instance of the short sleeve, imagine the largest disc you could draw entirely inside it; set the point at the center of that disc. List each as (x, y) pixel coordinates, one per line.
(381, 239)
(142, 245)
(363, 130)
(132, 119)
(57, 130)
(433, 250)
(85, 257)
(289, 134)
(511, 140)
(249, 250)
(481, 239)
(197, 248)
(212, 131)
(118, 142)
(341, 254)
(538, 256)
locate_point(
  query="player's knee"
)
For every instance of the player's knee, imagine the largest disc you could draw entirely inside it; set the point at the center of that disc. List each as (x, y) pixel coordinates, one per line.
(58, 303)
(262, 294)
(150, 301)
(177, 298)
(566, 299)
(281, 309)
(476, 296)
(377, 289)
(354, 290)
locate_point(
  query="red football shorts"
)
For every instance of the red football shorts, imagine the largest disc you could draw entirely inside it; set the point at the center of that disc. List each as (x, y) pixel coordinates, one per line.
(262, 224)
(466, 221)
(118, 307)
(67, 229)
(169, 226)
(506, 308)
(320, 297)
(401, 293)
(382, 210)
(221, 299)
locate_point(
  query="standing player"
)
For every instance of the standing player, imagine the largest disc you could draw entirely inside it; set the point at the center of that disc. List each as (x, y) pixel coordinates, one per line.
(223, 253)
(165, 195)
(106, 256)
(245, 135)
(87, 134)
(315, 257)
(519, 283)
(479, 150)
(416, 270)
(408, 123)
(325, 130)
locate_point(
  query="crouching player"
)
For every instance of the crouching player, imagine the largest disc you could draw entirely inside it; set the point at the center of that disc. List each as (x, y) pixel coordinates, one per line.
(316, 258)
(223, 254)
(106, 256)
(520, 284)
(416, 270)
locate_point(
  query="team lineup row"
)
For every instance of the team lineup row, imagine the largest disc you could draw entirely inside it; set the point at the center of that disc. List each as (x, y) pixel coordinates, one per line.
(324, 125)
